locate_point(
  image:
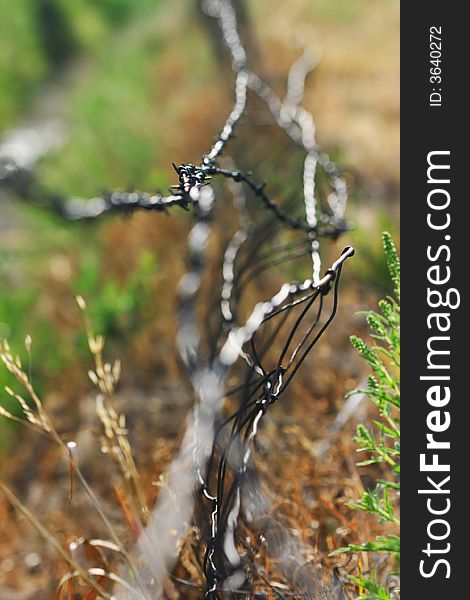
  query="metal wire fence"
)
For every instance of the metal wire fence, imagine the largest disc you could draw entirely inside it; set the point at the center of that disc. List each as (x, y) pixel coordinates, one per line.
(241, 334)
(271, 343)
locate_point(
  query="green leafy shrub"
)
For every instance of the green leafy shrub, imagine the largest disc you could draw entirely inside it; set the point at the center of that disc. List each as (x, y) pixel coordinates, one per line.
(381, 443)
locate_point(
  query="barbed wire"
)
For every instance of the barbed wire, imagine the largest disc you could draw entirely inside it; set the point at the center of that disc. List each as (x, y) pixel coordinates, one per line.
(263, 347)
(215, 454)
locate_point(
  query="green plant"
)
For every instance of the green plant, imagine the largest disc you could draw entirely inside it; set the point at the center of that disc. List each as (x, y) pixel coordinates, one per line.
(382, 441)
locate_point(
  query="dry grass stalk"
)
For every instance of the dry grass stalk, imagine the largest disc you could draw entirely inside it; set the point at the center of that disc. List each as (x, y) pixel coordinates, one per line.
(37, 418)
(115, 442)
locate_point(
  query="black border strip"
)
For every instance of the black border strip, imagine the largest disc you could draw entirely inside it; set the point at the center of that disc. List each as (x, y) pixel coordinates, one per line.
(426, 129)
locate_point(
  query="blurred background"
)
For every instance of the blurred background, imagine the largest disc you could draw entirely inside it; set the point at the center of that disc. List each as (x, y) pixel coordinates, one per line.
(104, 95)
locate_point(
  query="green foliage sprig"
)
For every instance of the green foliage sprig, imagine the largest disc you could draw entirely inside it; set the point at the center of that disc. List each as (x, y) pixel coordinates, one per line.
(381, 443)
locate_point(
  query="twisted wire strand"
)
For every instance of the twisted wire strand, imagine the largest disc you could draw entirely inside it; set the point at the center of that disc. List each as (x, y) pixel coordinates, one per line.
(216, 450)
(225, 503)
(246, 420)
